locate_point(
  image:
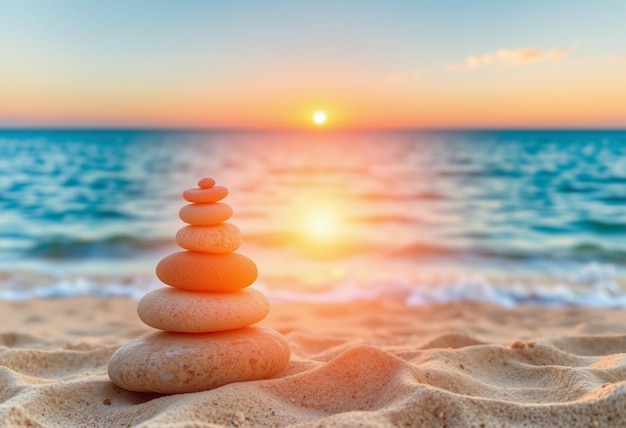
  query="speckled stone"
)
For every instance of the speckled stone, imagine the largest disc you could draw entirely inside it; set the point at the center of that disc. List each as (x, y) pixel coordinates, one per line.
(205, 214)
(205, 196)
(219, 238)
(171, 309)
(194, 271)
(173, 363)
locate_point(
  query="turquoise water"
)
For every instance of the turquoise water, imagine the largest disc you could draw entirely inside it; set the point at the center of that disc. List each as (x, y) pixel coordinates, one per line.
(506, 216)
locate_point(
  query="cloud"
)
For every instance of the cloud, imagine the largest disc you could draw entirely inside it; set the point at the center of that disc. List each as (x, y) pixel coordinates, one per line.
(616, 59)
(510, 58)
(401, 77)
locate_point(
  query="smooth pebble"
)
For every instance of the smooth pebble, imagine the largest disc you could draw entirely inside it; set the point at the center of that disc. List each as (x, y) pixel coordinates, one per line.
(173, 363)
(194, 271)
(205, 196)
(206, 183)
(219, 238)
(171, 309)
(205, 214)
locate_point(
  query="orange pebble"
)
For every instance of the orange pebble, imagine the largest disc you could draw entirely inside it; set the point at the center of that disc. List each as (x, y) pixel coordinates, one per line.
(205, 214)
(206, 183)
(188, 270)
(171, 309)
(218, 238)
(205, 196)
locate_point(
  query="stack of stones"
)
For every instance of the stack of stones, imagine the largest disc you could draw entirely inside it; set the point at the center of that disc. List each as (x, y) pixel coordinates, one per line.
(205, 317)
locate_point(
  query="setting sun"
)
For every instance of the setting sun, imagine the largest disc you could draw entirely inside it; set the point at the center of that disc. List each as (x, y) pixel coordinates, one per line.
(320, 224)
(319, 117)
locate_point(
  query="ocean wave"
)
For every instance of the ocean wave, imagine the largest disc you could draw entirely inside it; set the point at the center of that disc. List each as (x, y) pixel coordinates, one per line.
(601, 226)
(613, 199)
(577, 187)
(22, 285)
(310, 170)
(36, 211)
(460, 173)
(616, 180)
(580, 252)
(119, 246)
(379, 219)
(386, 196)
(589, 285)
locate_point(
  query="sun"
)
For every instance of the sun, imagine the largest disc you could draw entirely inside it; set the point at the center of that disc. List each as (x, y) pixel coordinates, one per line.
(319, 220)
(320, 224)
(319, 117)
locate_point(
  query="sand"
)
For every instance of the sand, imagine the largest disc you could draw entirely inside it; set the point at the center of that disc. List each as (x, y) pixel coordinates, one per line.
(360, 364)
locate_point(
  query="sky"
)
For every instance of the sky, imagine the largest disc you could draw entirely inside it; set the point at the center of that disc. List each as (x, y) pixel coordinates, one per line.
(272, 64)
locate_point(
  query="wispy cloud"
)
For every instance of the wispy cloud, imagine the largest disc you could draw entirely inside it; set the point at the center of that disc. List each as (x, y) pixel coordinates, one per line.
(617, 59)
(507, 57)
(401, 77)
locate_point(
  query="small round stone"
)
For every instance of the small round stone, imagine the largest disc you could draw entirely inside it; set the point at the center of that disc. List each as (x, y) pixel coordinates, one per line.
(171, 309)
(205, 196)
(176, 363)
(205, 214)
(206, 183)
(219, 238)
(193, 271)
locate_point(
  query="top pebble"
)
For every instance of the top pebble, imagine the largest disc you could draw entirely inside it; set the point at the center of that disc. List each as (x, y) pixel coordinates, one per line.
(205, 196)
(206, 183)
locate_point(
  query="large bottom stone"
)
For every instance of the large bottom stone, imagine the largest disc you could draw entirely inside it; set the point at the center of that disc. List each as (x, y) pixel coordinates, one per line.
(173, 363)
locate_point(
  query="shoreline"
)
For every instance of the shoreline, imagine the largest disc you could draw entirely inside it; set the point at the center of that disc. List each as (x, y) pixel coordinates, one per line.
(595, 285)
(374, 363)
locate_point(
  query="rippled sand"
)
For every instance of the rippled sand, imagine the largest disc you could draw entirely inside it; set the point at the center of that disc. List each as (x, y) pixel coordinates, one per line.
(357, 364)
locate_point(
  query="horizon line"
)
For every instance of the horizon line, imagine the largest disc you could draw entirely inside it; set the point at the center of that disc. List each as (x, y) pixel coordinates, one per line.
(312, 130)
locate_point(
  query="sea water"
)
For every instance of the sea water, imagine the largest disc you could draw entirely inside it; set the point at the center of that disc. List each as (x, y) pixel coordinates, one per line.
(510, 217)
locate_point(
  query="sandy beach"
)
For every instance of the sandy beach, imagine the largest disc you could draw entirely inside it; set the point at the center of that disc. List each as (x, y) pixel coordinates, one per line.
(429, 198)
(376, 363)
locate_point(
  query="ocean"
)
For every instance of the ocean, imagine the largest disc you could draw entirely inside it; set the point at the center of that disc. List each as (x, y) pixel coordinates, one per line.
(508, 217)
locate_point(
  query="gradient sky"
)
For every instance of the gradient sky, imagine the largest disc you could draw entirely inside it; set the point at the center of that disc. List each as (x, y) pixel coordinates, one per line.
(271, 64)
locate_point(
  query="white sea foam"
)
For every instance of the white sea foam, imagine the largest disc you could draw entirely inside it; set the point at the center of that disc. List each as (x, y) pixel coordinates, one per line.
(593, 284)
(16, 288)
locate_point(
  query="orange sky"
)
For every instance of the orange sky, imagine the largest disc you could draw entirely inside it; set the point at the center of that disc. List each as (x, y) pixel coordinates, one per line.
(407, 65)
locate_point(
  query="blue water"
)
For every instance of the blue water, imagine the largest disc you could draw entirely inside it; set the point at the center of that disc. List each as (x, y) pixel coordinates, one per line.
(505, 216)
